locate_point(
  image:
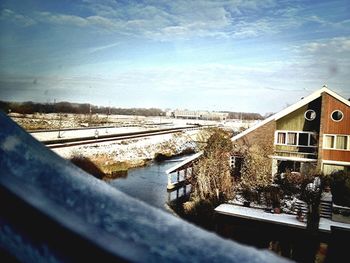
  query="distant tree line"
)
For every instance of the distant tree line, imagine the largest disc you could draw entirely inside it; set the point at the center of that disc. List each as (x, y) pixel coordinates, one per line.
(245, 115)
(29, 107)
(68, 107)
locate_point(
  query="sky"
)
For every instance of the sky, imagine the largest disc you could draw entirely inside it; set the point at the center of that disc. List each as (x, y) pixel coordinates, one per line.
(233, 55)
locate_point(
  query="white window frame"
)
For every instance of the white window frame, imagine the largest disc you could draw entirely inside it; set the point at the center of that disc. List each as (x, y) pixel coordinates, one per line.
(310, 119)
(297, 139)
(335, 142)
(232, 161)
(341, 117)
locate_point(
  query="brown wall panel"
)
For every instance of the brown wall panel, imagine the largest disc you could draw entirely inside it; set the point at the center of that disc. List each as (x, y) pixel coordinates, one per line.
(329, 126)
(334, 155)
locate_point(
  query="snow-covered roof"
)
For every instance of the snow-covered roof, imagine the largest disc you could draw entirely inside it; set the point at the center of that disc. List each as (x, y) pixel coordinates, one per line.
(72, 203)
(292, 108)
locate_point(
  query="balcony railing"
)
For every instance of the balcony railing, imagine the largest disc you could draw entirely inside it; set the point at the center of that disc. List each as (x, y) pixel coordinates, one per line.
(51, 211)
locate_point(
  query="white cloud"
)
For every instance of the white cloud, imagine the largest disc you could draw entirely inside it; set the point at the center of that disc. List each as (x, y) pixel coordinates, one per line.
(101, 48)
(18, 19)
(61, 19)
(328, 46)
(103, 22)
(183, 19)
(175, 19)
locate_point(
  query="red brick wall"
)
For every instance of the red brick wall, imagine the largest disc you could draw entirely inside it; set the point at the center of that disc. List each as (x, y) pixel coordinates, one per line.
(330, 104)
(263, 136)
(328, 126)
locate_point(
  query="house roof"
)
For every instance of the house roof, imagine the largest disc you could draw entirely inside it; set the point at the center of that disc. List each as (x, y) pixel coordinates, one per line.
(292, 108)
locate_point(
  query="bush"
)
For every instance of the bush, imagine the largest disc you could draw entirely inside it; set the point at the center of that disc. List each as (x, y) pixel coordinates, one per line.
(293, 182)
(200, 212)
(256, 167)
(340, 187)
(212, 179)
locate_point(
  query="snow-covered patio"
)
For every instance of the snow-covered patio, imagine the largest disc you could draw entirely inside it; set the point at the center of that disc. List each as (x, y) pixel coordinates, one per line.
(279, 219)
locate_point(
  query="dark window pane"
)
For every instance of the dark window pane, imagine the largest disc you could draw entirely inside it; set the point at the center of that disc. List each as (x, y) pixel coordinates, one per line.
(313, 140)
(337, 115)
(303, 139)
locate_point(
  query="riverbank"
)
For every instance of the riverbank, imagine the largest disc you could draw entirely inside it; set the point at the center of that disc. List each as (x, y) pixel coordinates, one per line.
(114, 159)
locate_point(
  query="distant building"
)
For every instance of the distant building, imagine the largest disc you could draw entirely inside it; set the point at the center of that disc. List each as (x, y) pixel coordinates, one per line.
(312, 133)
(199, 115)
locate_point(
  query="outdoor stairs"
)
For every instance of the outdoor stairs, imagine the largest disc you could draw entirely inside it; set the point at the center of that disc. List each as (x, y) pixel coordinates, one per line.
(325, 208)
(301, 205)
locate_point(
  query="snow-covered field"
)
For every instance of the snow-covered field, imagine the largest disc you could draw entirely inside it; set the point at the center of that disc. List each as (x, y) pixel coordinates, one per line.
(126, 150)
(134, 149)
(53, 135)
(55, 121)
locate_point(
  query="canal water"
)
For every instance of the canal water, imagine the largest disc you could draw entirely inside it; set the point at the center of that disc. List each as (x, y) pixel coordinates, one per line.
(149, 183)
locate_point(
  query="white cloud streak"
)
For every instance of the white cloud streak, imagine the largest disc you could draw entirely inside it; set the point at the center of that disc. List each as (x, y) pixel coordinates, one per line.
(16, 18)
(167, 20)
(181, 19)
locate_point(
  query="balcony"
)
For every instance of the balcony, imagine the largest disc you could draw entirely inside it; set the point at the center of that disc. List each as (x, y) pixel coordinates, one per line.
(296, 144)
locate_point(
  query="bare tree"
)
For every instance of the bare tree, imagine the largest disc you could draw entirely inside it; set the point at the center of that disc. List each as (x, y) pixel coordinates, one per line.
(256, 168)
(212, 179)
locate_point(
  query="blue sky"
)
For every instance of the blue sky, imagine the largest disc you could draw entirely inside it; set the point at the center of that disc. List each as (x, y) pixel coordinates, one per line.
(237, 55)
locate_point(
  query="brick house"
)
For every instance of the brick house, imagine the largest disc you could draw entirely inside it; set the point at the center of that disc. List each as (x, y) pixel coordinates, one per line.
(312, 133)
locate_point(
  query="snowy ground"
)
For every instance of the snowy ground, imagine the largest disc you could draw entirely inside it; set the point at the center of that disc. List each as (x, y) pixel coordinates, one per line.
(134, 149)
(53, 135)
(55, 120)
(126, 150)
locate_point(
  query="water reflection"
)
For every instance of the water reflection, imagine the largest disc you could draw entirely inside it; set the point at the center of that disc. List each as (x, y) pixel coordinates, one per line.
(149, 184)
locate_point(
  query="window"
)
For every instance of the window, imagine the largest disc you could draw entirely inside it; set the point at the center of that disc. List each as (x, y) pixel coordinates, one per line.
(313, 139)
(296, 138)
(331, 168)
(281, 138)
(236, 165)
(329, 141)
(292, 138)
(303, 139)
(310, 115)
(232, 161)
(342, 142)
(337, 115)
(336, 142)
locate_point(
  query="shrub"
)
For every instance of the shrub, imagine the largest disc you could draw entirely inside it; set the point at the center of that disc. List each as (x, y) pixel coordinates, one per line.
(212, 179)
(256, 167)
(340, 187)
(294, 182)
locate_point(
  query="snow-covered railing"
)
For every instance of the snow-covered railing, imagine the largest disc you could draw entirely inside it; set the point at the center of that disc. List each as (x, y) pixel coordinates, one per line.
(51, 211)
